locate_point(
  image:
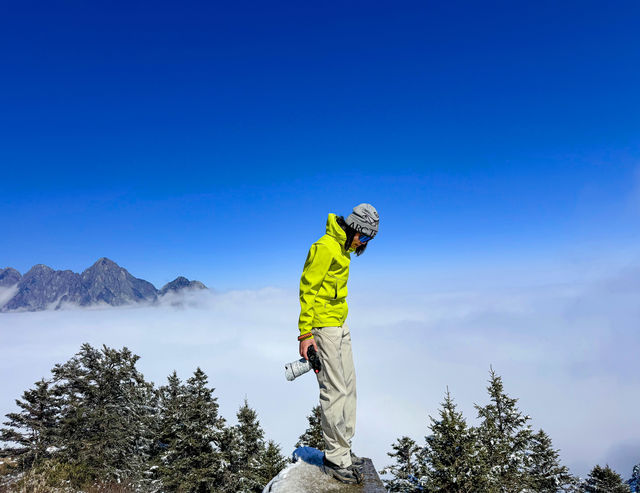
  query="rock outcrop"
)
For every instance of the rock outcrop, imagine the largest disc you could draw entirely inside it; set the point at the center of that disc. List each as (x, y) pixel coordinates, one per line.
(306, 474)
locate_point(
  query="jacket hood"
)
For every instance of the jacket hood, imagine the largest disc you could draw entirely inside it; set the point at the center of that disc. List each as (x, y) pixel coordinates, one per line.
(335, 231)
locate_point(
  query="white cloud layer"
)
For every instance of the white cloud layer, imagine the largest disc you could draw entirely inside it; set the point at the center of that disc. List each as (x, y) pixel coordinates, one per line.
(569, 352)
(6, 293)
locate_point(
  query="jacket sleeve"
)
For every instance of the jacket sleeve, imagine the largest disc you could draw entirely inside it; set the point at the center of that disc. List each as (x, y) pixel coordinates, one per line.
(315, 269)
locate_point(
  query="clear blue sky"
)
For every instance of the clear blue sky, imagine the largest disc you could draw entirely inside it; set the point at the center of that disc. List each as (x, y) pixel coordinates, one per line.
(211, 139)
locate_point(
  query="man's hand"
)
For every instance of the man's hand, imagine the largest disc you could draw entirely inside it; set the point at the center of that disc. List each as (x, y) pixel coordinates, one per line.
(304, 345)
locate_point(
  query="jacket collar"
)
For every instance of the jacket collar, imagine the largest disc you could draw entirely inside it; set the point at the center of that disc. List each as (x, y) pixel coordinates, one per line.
(335, 231)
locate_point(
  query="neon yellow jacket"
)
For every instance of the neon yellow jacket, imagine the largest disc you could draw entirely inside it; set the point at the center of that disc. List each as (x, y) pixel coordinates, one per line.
(323, 285)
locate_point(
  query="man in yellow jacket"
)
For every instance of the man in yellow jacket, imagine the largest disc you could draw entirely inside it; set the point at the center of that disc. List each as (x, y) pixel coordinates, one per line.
(323, 310)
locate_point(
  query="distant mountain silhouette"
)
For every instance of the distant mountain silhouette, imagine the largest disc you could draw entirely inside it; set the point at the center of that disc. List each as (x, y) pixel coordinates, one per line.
(180, 283)
(105, 282)
(9, 277)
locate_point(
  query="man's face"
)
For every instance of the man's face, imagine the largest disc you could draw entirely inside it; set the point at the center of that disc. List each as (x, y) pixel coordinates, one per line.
(356, 241)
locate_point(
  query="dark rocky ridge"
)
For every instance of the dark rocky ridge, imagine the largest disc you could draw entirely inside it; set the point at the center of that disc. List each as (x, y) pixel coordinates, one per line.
(180, 283)
(42, 286)
(105, 281)
(9, 277)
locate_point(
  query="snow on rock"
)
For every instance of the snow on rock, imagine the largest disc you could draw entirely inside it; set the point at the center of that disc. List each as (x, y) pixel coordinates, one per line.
(306, 474)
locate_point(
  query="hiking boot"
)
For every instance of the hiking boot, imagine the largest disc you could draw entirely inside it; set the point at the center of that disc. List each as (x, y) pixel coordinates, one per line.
(349, 475)
(357, 461)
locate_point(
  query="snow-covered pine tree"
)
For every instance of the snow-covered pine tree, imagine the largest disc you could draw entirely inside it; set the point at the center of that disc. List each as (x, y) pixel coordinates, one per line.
(405, 470)
(31, 430)
(107, 410)
(312, 437)
(634, 482)
(251, 435)
(249, 449)
(193, 460)
(503, 438)
(604, 480)
(170, 420)
(171, 399)
(230, 452)
(449, 456)
(271, 462)
(546, 474)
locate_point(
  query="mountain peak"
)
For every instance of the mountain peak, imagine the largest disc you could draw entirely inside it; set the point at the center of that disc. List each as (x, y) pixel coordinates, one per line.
(180, 283)
(104, 266)
(104, 262)
(9, 277)
(107, 282)
(39, 269)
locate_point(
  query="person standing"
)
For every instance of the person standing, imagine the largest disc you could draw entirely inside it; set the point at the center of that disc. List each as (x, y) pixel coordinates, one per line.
(323, 311)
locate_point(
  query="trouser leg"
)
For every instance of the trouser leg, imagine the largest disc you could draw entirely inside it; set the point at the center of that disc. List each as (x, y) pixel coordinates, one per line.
(337, 392)
(350, 384)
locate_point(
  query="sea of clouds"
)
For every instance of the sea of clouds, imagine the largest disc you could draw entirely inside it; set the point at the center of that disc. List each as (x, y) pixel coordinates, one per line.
(568, 351)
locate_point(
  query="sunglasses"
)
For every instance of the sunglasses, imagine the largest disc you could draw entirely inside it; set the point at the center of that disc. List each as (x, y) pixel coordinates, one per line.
(365, 238)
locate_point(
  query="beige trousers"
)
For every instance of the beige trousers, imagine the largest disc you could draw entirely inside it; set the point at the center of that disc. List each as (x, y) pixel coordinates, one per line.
(337, 381)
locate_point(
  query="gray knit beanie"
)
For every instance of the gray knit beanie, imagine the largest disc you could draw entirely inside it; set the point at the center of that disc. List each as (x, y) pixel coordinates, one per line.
(364, 219)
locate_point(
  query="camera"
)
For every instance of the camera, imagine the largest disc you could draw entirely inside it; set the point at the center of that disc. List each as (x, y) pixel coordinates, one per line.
(300, 367)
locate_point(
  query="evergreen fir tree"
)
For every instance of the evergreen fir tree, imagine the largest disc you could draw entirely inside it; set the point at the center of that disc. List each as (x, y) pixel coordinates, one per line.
(405, 470)
(634, 482)
(312, 437)
(251, 435)
(449, 454)
(107, 410)
(171, 399)
(546, 475)
(271, 462)
(229, 447)
(604, 480)
(504, 439)
(192, 460)
(249, 448)
(171, 403)
(98, 421)
(33, 429)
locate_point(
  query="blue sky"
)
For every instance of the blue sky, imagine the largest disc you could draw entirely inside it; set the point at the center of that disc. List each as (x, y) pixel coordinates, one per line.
(211, 140)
